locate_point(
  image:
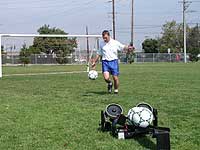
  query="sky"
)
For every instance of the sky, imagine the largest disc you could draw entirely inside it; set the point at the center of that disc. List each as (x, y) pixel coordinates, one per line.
(26, 16)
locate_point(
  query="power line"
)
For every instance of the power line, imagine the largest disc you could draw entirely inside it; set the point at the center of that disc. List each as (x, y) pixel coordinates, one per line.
(48, 5)
(149, 13)
(149, 33)
(65, 11)
(141, 27)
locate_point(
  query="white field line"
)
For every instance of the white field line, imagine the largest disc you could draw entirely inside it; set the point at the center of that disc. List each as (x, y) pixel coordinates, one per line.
(47, 73)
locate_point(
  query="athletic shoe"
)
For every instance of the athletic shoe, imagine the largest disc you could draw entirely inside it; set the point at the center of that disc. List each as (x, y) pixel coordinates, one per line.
(110, 87)
(116, 91)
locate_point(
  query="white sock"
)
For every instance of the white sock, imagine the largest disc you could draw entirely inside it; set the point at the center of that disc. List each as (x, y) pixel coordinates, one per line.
(116, 90)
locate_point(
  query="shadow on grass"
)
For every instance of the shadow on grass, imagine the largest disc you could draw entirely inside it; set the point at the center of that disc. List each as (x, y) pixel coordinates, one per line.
(90, 93)
(146, 143)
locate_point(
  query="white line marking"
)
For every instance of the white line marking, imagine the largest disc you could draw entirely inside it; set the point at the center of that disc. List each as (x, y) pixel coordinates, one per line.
(47, 73)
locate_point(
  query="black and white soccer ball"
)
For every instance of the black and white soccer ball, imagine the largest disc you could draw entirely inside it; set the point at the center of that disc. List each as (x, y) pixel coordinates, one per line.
(93, 75)
(140, 116)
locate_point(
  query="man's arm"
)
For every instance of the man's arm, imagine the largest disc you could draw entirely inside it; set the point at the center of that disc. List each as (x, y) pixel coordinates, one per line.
(95, 60)
(125, 48)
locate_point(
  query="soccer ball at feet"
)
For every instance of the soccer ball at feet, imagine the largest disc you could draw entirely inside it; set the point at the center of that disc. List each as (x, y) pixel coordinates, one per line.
(93, 75)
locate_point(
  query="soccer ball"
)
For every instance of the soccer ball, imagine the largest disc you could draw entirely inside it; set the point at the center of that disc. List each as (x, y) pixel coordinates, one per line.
(93, 75)
(140, 116)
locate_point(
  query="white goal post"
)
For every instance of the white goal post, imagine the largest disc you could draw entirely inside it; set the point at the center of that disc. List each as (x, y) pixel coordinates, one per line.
(40, 35)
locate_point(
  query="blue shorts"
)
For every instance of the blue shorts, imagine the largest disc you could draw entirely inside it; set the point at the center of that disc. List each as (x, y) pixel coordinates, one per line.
(110, 66)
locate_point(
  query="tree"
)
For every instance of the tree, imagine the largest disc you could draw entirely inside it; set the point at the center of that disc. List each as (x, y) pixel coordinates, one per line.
(33, 50)
(24, 55)
(59, 46)
(169, 34)
(193, 43)
(172, 37)
(150, 46)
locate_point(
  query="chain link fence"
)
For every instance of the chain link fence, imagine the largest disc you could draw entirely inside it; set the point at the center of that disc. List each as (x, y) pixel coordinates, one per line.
(161, 57)
(75, 58)
(155, 57)
(81, 58)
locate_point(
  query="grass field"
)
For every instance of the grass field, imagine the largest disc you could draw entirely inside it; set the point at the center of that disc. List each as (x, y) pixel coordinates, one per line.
(62, 111)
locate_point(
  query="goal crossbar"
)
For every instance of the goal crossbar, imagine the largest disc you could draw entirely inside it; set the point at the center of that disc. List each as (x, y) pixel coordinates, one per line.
(41, 35)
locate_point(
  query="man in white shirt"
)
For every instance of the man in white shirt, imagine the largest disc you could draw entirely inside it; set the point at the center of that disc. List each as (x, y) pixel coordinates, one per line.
(109, 52)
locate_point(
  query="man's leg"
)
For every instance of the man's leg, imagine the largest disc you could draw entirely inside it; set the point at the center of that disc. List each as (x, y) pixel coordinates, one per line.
(116, 84)
(115, 73)
(106, 76)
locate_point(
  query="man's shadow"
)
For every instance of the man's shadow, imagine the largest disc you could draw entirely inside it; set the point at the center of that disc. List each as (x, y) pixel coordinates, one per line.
(90, 93)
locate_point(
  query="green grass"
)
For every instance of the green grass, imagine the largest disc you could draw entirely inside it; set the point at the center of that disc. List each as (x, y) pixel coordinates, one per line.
(63, 111)
(42, 69)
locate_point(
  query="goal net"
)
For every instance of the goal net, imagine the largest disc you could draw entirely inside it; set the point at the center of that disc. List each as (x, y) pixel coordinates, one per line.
(23, 49)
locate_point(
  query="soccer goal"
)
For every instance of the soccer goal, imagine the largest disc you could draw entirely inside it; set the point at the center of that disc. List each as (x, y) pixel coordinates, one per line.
(22, 49)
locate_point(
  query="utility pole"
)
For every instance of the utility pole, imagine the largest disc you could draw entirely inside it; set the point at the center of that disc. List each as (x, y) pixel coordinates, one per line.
(132, 22)
(88, 48)
(185, 7)
(186, 4)
(184, 31)
(113, 14)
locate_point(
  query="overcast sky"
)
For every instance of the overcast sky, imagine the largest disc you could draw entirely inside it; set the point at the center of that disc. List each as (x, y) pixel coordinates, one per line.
(26, 16)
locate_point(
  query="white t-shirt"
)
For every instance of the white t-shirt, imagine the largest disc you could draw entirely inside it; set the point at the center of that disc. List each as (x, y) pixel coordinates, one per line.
(109, 51)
